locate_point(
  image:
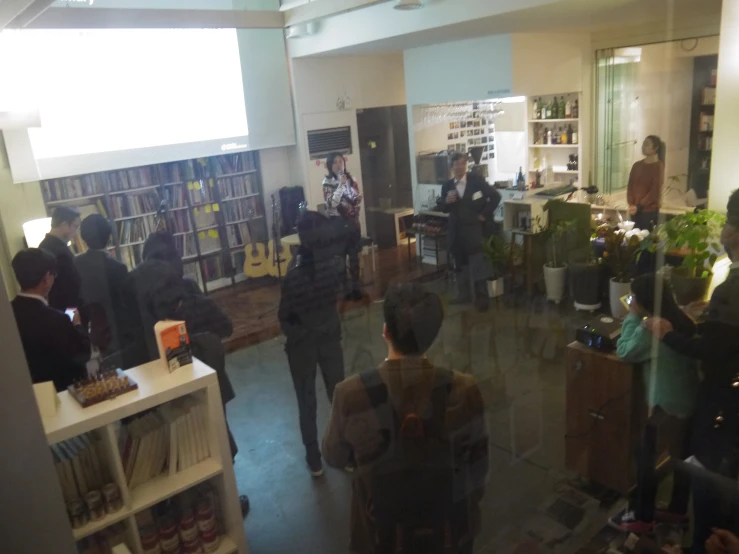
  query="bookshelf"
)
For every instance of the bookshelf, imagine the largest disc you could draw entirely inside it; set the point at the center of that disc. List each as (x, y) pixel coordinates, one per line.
(216, 208)
(197, 386)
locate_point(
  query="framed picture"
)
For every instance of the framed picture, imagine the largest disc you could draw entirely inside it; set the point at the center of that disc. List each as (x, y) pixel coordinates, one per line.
(485, 149)
(476, 123)
(484, 157)
(456, 136)
(462, 134)
(484, 140)
(463, 124)
(470, 123)
(450, 136)
(451, 125)
(483, 121)
(461, 147)
(477, 142)
(475, 115)
(471, 142)
(492, 130)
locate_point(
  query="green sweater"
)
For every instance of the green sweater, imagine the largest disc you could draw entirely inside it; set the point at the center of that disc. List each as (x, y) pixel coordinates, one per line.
(671, 379)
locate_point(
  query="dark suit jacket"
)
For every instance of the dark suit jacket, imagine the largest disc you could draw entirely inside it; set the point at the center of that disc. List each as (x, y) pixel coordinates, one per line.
(55, 349)
(465, 231)
(102, 280)
(66, 290)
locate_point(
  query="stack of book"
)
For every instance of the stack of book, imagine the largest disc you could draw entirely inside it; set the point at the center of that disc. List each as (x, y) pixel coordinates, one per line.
(169, 439)
(80, 465)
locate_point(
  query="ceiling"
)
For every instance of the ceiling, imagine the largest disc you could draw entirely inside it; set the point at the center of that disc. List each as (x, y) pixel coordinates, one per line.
(563, 16)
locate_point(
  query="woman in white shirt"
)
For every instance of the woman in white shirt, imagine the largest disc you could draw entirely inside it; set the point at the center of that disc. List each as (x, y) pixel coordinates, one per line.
(341, 194)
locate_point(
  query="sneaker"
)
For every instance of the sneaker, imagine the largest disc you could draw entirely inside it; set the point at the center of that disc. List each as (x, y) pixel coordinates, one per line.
(315, 465)
(626, 521)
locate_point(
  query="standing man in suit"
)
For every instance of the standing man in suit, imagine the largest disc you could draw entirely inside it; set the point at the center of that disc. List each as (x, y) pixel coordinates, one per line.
(65, 222)
(56, 346)
(102, 281)
(470, 202)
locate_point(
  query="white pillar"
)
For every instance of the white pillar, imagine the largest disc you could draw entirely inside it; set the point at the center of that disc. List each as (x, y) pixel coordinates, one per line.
(724, 167)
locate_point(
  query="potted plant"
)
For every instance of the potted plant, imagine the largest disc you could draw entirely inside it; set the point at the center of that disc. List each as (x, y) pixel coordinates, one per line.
(555, 270)
(694, 238)
(621, 248)
(586, 280)
(499, 252)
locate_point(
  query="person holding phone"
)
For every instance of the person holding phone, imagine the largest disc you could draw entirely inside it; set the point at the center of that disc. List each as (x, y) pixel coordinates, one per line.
(470, 202)
(670, 380)
(644, 191)
(56, 346)
(341, 194)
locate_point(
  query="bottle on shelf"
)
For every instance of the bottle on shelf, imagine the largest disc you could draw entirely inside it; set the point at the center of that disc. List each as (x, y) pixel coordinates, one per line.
(555, 109)
(562, 107)
(564, 137)
(568, 110)
(540, 137)
(576, 109)
(571, 163)
(535, 109)
(569, 134)
(574, 136)
(549, 110)
(549, 137)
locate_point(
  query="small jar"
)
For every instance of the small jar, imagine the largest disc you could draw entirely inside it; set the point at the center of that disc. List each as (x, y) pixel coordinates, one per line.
(205, 515)
(211, 540)
(77, 513)
(150, 543)
(95, 506)
(193, 547)
(188, 527)
(112, 496)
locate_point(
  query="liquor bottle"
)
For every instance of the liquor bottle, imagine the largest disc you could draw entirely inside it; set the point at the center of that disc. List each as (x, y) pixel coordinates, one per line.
(549, 110)
(521, 180)
(563, 136)
(568, 110)
(569, 134)
(533, 109)
(574, 136)
(562, 107)
(555, 109)
(576, 110)
(549, 137)
(546, 136)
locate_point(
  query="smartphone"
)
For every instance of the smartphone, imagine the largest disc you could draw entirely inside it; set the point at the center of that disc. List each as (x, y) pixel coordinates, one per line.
(71, 312)
(629, 299)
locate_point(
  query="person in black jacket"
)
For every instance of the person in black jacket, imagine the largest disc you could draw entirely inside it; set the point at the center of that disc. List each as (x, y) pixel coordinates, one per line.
(470, 202)
(56, 347)
(65, 222)
(716, 420)
(102, 279)
(310, 321)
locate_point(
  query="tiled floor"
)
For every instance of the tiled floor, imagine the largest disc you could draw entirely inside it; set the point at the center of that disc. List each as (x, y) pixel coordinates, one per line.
(516, 353)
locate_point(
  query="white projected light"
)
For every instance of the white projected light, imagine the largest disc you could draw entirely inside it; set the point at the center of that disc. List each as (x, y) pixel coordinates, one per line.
(118, 98)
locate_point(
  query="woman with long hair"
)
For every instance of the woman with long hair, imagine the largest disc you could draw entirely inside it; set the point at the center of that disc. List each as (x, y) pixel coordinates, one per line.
(644, 192)
(341, 194)
(671, 381)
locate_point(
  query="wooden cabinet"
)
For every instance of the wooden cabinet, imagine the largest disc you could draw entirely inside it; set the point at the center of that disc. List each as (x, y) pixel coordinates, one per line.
(605, 415)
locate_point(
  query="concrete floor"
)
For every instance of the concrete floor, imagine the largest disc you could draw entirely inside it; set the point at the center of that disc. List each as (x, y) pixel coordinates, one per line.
(515, 351)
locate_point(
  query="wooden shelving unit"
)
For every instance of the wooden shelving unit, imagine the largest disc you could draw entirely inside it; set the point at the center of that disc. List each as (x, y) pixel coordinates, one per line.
(156, 387)
(194, 191)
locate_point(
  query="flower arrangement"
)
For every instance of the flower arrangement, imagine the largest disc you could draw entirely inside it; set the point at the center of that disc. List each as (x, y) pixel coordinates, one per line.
(621, 249)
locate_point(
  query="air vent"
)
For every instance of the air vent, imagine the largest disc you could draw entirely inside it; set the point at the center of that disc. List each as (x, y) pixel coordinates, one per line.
(324, 141)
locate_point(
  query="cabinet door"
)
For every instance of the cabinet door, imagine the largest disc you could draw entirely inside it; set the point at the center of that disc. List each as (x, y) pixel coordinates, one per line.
(599, 435)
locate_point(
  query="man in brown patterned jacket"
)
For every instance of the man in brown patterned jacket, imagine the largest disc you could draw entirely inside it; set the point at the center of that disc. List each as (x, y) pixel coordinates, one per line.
(418, 436)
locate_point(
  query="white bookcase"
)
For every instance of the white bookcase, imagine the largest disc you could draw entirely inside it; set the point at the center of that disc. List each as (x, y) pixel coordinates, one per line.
(156, 387)
(555, 156)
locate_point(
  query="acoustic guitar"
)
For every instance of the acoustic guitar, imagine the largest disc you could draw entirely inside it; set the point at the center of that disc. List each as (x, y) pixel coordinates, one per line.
(281, 256)
(258, 261)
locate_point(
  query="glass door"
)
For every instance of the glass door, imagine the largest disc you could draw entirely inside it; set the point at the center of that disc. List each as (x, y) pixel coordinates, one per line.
(617, 144)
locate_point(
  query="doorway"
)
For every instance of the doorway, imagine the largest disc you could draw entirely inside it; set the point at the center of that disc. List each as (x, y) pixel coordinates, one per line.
(386, 170)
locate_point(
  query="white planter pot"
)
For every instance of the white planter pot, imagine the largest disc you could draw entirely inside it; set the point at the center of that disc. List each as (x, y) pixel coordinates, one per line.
(554, 280)
(615, 291)
(495, 287)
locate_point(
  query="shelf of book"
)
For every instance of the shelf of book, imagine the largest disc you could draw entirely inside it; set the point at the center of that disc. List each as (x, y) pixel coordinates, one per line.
(201, 195)
(188, 434)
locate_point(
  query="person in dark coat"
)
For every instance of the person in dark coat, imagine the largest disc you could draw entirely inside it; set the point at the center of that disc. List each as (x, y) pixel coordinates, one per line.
(716, 421)
(65, 222)
(102, 280)
(470, 202)
(56, 347)
(309, 319)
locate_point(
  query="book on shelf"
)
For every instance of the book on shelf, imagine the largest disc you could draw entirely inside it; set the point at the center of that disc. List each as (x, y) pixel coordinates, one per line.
(234, 187)
(204, 216)
(130, 179)
(175, 196)
(134, 204)
(238, 234)
(105, 541)
(179, 221)
(80, 465)
(68, 188)
(164, 441)
(132, 255)
(209, 240)
(201, 192)
(233, 163)
(185, 245)
(212, 268)
(131, 231)
(245, 208)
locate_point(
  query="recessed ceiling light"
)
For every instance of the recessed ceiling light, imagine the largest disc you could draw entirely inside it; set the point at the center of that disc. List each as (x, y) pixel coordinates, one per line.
(408, 4)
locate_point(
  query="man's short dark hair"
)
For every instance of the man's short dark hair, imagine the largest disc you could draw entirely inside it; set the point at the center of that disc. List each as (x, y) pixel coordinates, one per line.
(95, 231)
(413, 318)
(63, 214)
(732, 209)
(458, 156)
(31, 266)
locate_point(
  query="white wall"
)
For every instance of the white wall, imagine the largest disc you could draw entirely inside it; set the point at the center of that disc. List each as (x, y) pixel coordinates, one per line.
(725, 137)
(362, 82)
(278, 170)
